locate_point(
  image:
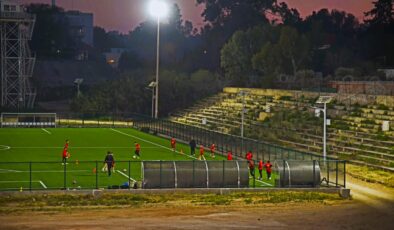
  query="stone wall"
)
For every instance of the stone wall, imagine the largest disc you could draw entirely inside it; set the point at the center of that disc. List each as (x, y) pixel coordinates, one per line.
(364, 87)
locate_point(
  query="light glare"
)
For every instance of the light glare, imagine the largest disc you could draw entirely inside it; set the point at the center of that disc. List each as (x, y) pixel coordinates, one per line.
(158, 8)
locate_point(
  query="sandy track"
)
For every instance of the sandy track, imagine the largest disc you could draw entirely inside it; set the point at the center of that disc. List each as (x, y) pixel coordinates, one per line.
(371, 208)
(346, 215)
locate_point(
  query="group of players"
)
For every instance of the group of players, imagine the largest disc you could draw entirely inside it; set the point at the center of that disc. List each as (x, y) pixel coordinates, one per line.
(109, 161)
(248, 156)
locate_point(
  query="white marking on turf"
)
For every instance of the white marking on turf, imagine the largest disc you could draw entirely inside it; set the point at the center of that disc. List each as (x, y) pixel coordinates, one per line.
(4, 147)
(126, 134)
(46, 131)
(39, 171)
(42, 184)
(123, 174)
(262, 182)
(25, 181)
(99, 147)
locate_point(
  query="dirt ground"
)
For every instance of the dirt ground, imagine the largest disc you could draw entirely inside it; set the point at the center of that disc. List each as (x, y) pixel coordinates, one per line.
(349, 215)
(371, 208)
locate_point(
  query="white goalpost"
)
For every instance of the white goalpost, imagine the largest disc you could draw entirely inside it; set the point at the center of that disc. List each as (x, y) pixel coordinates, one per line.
(28, 120)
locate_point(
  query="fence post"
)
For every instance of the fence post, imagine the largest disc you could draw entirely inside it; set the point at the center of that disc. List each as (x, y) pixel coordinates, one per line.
(223, 174)
(314, 171)
(284, 172)
(328, 173)
(97, 175)
(336, 174)
(65, 174)
(160, 172)
(254, 174)
(344, 174)
(30, 175)
(193, 174)
(129, 176)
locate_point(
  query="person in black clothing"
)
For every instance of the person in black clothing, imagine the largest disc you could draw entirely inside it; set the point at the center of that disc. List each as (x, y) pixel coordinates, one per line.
(110, 161)
(192, 145)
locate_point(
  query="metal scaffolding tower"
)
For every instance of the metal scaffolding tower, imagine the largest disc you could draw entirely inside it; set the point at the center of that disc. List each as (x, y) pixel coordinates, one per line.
(17, 62)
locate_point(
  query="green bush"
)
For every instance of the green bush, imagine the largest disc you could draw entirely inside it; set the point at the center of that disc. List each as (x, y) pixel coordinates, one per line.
(382, 107)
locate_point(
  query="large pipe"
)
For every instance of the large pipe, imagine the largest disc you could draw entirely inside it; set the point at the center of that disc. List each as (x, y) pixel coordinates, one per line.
(297, 173)
(195, 174)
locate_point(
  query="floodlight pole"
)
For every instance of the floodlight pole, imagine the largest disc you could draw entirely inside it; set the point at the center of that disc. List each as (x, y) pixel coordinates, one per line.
(242, 93)
(78, 90)
(157, 68)
(243, 115)
(153, 102)
(325, 132)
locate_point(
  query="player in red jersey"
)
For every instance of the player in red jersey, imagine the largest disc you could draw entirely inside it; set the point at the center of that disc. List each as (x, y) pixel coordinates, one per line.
(249, 155)
(229, 155)
(268, 167)
(137, 150)
(65, 156)
(173, 144)
(213, 147)
(251, 168)
(201, 153)
(66, 144)
(261, 164)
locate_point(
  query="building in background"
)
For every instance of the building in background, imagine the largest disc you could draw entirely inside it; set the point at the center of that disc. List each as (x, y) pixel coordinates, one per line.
(81, 25)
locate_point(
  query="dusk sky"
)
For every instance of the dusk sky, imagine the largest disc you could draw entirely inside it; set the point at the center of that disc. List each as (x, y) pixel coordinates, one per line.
(124, 15)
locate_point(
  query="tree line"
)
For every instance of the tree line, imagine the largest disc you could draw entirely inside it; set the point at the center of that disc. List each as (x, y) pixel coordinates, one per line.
(245, 43)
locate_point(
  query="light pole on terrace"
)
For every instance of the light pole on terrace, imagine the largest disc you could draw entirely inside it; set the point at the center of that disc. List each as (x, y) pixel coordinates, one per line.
(158, 9)
(324, 100)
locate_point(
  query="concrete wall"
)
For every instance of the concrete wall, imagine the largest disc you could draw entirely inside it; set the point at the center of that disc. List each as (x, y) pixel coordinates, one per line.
(361, 99)
(364, 87)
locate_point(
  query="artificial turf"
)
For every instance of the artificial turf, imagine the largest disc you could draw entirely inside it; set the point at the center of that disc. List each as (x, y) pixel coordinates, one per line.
(31, 157)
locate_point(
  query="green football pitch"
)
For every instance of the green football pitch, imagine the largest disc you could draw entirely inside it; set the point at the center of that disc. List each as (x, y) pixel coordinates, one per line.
(31, 157)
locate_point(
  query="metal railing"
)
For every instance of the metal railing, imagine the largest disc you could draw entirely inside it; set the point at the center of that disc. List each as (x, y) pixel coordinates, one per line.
(225, 142)
(76, 175)
(97, 119)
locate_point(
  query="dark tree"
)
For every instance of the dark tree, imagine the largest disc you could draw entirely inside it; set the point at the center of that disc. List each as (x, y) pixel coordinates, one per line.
(382, 13)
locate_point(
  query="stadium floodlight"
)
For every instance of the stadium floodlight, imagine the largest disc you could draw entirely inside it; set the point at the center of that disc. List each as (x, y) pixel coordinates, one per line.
(158, 9)
(324, 100)
(78, 82)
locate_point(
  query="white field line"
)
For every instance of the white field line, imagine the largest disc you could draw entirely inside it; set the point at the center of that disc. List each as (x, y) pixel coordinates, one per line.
(4, 147)
(25, 181)
(123, 174)
(9, 170)
(99, 147)
(126, 134)
(262, 182)
(42, 184)
(46, 131)
(39, 171)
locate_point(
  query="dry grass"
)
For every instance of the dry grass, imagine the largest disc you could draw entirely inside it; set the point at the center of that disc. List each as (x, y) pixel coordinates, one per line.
(371, 175)
(56, 202)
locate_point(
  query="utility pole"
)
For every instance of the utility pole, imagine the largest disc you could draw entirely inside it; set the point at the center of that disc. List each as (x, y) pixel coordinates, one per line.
(324, 100)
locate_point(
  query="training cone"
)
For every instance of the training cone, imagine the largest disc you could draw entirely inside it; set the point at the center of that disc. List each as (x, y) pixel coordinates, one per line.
(181, 151)
(94, 170)
(77, 162)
